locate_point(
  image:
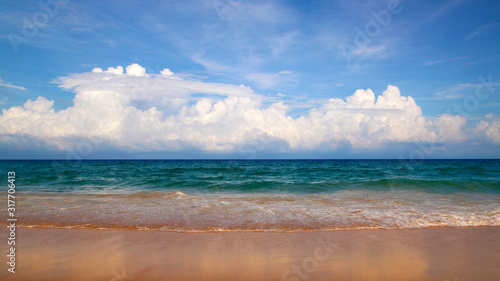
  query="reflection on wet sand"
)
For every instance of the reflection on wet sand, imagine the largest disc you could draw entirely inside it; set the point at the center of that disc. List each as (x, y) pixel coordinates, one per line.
(418, 254)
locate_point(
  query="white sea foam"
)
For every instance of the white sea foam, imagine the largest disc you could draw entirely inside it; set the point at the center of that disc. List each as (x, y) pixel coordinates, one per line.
(179, 211)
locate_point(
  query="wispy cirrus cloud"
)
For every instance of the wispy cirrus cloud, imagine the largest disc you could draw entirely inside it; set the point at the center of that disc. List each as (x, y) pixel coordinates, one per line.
(459, 91)
(482, 31)
(9, 85)
(444, 9)
(269, 80)
(433, 62)
(455, 91)
(446, 60)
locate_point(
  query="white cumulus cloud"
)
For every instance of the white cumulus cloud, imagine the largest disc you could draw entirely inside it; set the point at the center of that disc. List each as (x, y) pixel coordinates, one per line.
(136, 70)
(137, 111)
(489, 128)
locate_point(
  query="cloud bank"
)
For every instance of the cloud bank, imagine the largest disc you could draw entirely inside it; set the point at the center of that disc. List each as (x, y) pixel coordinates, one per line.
(131, 110)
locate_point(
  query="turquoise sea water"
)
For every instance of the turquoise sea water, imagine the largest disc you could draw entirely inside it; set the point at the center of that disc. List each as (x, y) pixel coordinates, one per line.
(256, 195)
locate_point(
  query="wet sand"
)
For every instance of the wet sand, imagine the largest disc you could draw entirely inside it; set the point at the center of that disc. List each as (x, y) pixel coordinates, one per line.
(412, 254)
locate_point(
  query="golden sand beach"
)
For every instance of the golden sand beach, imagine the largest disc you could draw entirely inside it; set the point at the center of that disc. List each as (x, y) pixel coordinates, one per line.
(409, 254)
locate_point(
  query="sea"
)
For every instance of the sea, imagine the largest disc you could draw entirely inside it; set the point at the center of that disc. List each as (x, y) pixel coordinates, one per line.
(253, 195)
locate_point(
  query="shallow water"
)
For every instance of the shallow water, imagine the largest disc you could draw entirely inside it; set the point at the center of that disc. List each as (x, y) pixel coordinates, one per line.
(256, 195)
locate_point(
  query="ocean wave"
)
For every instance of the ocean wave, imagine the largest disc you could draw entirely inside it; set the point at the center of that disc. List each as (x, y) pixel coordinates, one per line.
(183, 211)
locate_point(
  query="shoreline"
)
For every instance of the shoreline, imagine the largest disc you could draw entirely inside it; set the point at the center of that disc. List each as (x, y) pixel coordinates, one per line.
(436, 253)
(243, 231)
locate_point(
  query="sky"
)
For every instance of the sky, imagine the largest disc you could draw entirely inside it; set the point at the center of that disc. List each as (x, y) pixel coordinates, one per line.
(239, 79)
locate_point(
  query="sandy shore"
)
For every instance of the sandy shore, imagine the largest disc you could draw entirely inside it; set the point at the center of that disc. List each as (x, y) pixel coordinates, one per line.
(413, 254)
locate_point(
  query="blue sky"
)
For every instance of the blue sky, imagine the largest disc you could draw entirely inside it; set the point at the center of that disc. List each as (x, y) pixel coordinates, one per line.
(443, 54)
